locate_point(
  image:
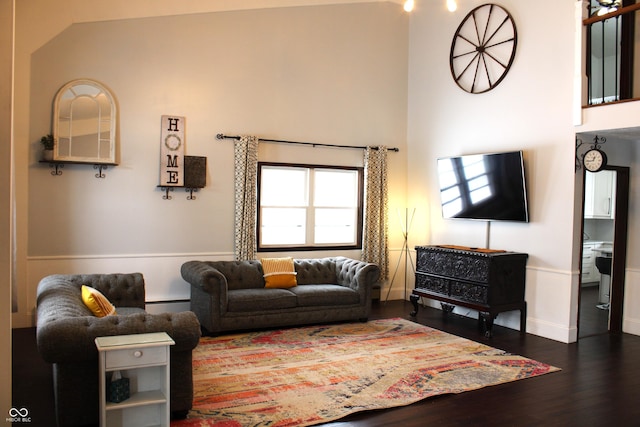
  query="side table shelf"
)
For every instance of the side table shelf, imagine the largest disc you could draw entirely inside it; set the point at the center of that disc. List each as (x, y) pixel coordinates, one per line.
(145, 360)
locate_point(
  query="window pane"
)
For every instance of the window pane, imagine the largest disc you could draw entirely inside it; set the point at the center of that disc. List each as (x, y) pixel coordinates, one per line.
(284, 186)
(307, 206)
(335, 226)
(334, 187)
(283, 226)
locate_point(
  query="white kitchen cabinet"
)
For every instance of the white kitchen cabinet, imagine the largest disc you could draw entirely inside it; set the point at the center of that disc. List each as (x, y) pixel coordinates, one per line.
(144, 360)
(589, 271)
(599, 195)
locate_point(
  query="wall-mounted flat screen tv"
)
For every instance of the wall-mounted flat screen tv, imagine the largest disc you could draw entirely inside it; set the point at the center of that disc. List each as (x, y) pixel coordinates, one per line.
(488, 187)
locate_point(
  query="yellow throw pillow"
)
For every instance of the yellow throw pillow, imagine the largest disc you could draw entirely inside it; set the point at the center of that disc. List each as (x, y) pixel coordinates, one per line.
(279, 272)
(96, 302)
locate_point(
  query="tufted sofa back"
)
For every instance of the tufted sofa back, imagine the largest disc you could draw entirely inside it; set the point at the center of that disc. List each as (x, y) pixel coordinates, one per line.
(123, 290)
(249, 274)
(316, 271)
(240, 274)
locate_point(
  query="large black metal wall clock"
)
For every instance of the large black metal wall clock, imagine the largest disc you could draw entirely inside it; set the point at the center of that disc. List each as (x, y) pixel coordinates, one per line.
(483, 48)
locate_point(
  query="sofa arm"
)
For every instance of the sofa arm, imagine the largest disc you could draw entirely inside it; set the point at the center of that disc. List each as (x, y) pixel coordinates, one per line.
(358, 275)
(204, 276)
(208, 279)
(71, 339)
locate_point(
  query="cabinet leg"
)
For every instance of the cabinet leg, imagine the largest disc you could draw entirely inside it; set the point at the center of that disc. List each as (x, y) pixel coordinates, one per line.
(414, 300)
(488, 324)
(523, 318)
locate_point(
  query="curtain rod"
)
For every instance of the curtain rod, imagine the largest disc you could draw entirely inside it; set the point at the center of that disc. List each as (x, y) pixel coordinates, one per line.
(313, 144)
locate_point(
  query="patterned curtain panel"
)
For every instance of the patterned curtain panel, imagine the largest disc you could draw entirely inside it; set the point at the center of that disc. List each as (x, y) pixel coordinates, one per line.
(375, 245)
(246, 181)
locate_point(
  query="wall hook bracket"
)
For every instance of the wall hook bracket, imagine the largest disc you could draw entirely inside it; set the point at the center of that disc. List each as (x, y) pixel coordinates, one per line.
(191, 191)
(57, 168)
(166, 195)
(100, 169)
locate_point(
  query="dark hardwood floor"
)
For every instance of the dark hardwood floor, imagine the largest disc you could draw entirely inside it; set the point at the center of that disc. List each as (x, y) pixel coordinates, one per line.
(598, 385)
(593, 321)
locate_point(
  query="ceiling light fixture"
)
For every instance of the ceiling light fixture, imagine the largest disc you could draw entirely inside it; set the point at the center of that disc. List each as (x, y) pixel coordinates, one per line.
(452, 5)
(408, 5)
(608, 6)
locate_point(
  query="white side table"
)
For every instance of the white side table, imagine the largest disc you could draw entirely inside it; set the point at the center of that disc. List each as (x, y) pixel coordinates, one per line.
(144, 359)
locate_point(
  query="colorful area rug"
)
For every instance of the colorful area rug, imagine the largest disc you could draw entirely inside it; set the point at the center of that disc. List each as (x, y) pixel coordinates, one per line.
(312, 375)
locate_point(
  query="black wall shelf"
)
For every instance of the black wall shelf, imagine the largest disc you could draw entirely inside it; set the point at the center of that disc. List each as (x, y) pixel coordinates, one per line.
(58, 165)
(169, 188)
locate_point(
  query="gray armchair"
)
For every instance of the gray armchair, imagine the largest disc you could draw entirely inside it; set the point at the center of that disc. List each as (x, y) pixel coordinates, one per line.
(66, 330)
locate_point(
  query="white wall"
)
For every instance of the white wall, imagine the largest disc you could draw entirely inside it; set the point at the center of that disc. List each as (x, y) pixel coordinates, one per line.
(332, 74)
(6, 211)
(530, 110)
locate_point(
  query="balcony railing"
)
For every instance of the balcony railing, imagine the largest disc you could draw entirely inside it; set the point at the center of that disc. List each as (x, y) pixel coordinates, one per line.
(611, 49)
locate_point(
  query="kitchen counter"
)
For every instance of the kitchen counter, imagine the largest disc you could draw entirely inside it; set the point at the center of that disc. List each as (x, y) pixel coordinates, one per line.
(604, 249)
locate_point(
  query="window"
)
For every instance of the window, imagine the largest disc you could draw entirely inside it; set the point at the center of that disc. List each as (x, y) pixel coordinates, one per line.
(307, 207)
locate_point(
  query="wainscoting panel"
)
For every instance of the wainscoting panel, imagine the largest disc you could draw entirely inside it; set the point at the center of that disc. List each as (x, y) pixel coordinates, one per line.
(631, 317)
(557, 303)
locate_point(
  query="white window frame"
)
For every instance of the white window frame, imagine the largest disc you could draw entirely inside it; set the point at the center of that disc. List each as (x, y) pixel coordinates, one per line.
(310, 209)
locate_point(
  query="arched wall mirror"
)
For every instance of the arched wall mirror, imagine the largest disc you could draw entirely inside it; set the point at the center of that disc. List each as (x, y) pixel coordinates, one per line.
(84, 123)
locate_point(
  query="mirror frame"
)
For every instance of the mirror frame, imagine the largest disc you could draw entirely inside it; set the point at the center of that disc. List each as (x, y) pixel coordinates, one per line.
(112, 125)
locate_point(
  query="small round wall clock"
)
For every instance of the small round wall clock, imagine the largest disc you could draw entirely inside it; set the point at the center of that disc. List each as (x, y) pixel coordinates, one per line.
(594, 160)
(483, 48)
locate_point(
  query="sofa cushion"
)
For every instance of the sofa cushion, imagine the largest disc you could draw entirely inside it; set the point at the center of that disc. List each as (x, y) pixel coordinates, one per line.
(99, 305)
(260, 299)
(318, 295)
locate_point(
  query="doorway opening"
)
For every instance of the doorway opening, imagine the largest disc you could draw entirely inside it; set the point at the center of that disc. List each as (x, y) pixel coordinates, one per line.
(604, 243)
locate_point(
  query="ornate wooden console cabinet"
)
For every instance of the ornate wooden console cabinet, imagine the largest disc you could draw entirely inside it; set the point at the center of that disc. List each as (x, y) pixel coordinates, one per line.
(485, 280)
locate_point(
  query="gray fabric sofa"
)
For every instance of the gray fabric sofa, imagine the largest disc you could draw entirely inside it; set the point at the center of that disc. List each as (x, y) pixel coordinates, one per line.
(66, 330)
(231, 295)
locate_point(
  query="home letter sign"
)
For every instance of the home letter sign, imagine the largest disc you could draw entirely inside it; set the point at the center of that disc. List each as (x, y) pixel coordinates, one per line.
(172, 151)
